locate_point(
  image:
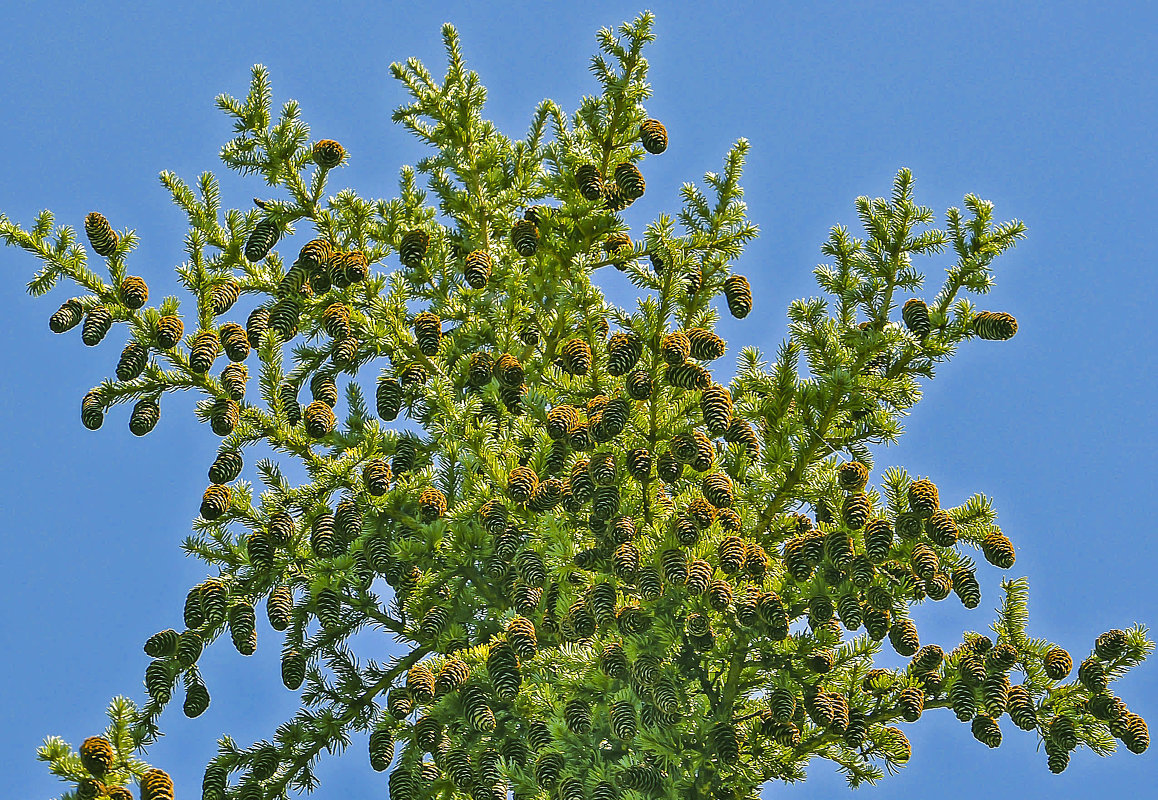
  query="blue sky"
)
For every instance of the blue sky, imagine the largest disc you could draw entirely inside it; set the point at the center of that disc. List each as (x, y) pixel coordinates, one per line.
(1046, 109)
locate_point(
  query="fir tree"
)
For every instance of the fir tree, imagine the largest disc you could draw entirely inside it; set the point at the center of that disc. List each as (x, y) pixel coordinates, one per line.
(611, 573)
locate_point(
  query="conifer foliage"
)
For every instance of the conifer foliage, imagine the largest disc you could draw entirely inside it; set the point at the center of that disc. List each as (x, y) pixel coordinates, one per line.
(574, 623)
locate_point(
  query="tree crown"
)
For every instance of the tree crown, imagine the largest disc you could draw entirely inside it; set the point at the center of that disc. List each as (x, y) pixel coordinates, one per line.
(610, 573)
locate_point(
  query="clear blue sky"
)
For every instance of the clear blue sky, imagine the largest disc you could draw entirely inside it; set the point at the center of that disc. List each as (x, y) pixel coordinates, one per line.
(1046, 109)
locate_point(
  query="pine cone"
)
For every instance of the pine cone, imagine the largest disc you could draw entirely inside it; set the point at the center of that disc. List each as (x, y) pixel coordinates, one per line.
(653, 136)
(525, 237)
(629, 181)
(97, 323)
(477, 269)
(916, 317)
(100, 234)
(997, 326)
(739, 296)
(134, 293)
(97, 756)
(261, 240)
(328, 154)
(66, 317)
(590, 182)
